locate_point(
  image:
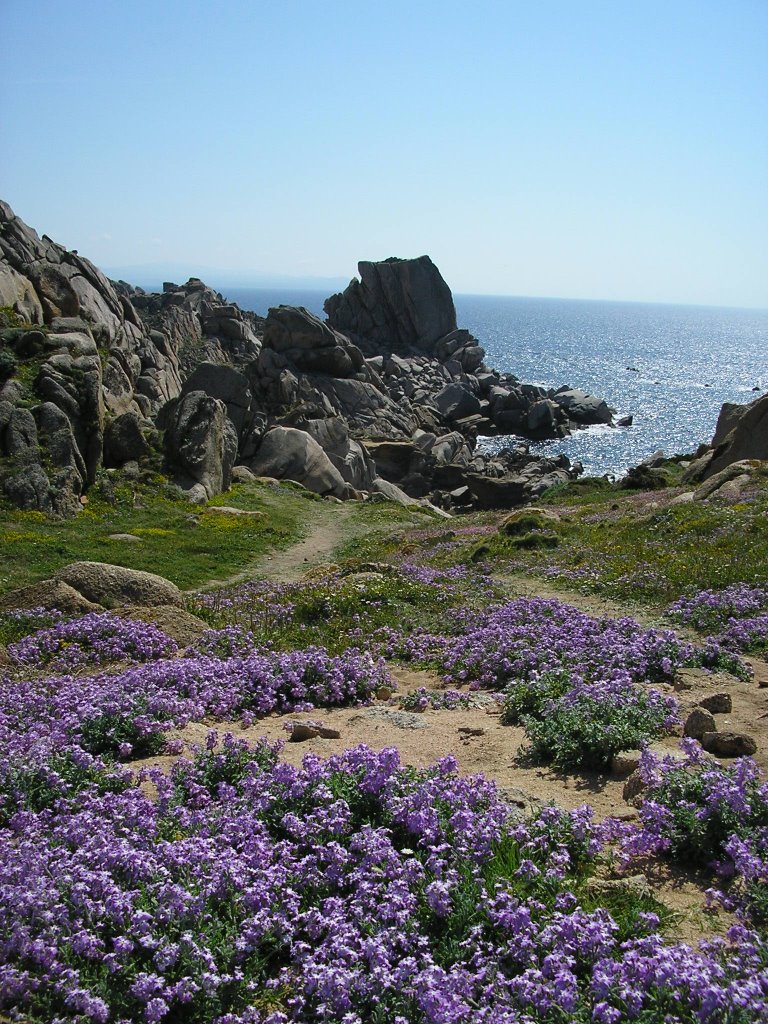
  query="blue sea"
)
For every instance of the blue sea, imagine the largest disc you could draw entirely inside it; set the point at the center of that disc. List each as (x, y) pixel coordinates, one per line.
(671, 367)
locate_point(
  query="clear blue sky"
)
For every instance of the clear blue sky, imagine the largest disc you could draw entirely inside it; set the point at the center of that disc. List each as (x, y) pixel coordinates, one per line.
(574, 148)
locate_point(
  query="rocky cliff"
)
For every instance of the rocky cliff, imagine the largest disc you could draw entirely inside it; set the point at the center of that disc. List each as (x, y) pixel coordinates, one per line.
(386, 397)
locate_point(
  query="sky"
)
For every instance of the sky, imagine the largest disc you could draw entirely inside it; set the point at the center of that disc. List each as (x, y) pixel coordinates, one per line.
(570, 148)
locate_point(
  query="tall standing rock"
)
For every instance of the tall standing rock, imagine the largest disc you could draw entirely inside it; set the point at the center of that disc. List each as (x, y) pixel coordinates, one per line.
(200, 444)
(395, 304)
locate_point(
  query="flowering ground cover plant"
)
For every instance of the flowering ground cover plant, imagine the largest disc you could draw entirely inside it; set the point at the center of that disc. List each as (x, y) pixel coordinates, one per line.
(737, 616)
(439, 700)
(19, 622)
(337, 609)
(94, 639)
(350, 890)
(627, 546)
(578, 684)
(701, 812)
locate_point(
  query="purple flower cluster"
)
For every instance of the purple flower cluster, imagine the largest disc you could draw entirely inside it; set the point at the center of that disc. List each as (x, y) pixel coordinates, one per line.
(713, 815)
(94, 639)
(736, 615)
(127, 714)
(710, 609)
(439, 700)
(534, 635)
(351, 890)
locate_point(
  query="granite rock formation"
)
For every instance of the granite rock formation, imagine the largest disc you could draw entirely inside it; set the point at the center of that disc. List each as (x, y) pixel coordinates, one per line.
(388, 396)
(741, 436)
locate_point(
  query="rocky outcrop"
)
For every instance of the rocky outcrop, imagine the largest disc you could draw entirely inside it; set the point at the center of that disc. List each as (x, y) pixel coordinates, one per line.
(396, 304)
(741, 435)
(388, 396)
(290, 454)
(200, 445)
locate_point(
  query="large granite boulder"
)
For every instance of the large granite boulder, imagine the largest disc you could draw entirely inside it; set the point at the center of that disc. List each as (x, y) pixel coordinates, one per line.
(200, 445)
(309, 344)
(741, 435)
(228, 385)
(582, 407)
(395, 304)
(124, 440)
(111, 585)
(290, 454)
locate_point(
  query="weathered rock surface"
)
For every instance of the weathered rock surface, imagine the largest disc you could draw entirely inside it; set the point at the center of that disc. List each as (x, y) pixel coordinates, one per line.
(49, 594)
(290, 454)
(390, 365)
(698, 722)
(112, 585)
(201, 444)
(729, 744)
(395, 304)
(741, 436)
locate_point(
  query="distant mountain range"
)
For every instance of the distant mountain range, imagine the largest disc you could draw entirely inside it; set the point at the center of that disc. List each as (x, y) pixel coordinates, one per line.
(152, 275)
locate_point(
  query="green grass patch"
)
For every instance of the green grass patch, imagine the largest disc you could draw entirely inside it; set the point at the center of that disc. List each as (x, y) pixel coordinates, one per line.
(628, 547)
(178, 540)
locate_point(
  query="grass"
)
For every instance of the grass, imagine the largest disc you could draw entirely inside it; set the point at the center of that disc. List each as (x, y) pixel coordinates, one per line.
(185, 543)
(639, 547)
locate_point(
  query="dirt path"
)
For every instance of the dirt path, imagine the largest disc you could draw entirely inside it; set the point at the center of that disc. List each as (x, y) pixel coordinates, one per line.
(329, 526)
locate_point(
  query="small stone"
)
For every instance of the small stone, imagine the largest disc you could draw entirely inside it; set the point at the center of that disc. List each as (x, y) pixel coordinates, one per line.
(302, 731)
(310, 730)
(228, 510)
(634, 788)
(717, 703)
(384, 693)
(729, 744)
(698, 723)
(633, 885)
(127, 538)
(468, 730)
(625, 762)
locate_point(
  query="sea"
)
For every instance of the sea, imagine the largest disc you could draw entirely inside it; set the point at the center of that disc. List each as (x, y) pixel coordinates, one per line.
(670, 367)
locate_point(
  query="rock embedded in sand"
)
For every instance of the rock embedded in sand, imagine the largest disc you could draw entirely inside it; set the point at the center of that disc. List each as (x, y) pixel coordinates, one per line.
(699, 721)
(717, 703)
(729, 744)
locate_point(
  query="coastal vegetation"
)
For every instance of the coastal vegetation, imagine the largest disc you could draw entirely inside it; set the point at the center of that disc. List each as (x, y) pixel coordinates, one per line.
(160, 861)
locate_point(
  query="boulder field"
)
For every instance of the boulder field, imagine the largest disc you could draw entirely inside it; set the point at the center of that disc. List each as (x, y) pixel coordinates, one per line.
(387, 396)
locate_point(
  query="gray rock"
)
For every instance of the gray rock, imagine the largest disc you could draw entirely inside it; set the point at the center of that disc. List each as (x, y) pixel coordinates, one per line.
(48, 594)
(454, 401)
(747, 437)
(124, 440)
(309, 729)
(201, 443)
(228, 385)
(717, 481)
(634, 788)
(29, 489)
(717, 703)
(310, 344)
(290, 454)
(625, 762)
(729, 744)
(242, 475)
(699, 722)
(115, 585)
(395, 304)
(584, 408)
(391, 492)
